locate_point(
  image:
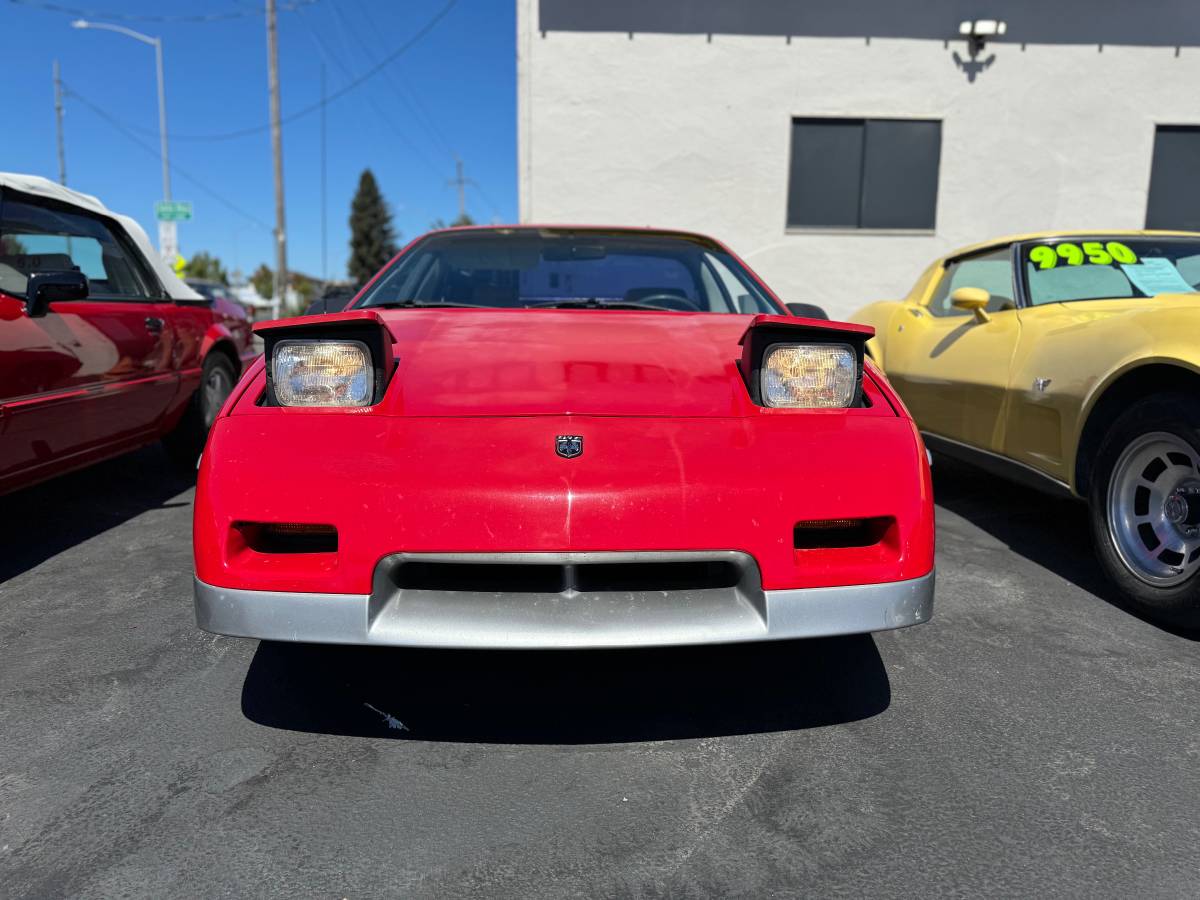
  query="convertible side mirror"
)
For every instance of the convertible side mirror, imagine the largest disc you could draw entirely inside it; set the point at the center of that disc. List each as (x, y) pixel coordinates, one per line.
(974, 300)
(807, 311)
(45, 288)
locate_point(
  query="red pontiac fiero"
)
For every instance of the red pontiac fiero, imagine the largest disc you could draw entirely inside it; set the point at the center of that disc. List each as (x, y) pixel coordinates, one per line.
(562, 437)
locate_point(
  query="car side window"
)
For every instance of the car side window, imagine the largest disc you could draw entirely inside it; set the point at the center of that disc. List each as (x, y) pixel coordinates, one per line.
(47, 238)
(991, 270)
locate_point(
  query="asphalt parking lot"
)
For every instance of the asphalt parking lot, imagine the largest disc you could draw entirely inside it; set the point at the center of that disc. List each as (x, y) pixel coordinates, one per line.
(1035, 738)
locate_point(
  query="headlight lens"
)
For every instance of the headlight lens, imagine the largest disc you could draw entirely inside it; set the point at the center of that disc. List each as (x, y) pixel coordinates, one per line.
(810, 376)
(323, 373)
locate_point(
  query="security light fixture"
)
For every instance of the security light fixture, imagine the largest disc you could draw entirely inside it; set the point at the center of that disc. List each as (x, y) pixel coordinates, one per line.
(978, 31)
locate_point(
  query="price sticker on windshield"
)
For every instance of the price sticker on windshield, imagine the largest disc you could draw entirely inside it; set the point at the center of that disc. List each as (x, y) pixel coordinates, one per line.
(1095, 253)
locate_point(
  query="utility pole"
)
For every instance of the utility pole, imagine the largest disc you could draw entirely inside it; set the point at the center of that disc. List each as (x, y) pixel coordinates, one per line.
(58, 118)
(460, 182)
(281, 279)
(324, 205)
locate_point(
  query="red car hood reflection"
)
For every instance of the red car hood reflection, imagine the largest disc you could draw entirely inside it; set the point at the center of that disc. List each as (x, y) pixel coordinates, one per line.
(467, 362)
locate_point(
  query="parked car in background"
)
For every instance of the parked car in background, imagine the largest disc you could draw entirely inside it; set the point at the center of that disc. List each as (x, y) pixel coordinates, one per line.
(562, 437)
(225, 301)
(334, 298)
(102, 348)
(1070, 361)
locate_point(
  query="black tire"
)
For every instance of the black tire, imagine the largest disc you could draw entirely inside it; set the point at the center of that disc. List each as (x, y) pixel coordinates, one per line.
(185, 442)
(1140, 484)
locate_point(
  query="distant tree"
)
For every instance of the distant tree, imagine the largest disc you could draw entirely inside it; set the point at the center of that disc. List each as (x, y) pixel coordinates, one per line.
(463, 219)
(304, 286)
(10, 246)
(263, 280)
(205, 265)
(372, 238)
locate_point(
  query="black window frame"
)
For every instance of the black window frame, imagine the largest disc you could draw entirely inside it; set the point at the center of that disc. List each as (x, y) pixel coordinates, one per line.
(794, 224)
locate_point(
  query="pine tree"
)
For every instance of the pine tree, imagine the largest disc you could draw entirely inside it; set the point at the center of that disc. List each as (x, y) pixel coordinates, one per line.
(372, 238)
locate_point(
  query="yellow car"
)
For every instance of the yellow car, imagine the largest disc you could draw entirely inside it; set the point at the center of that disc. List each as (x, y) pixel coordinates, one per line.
(1070, 361)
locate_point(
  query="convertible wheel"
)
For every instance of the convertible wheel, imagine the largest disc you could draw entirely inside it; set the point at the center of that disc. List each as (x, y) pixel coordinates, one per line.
(1145, 507)
(187, 440)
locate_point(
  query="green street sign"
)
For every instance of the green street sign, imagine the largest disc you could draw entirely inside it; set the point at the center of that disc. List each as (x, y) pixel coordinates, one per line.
(173, 211)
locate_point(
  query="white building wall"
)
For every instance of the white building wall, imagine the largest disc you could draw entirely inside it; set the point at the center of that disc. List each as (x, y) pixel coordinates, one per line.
(693, 131)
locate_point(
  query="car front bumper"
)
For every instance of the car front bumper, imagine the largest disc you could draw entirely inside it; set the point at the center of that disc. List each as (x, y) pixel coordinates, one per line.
(421, 611)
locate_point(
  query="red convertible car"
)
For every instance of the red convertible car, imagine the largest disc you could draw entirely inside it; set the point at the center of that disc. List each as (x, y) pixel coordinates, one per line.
(102, 348)
(562, 437)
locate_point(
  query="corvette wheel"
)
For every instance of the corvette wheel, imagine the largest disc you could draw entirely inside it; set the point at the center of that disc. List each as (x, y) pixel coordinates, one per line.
(186, 441)
(1145, 507)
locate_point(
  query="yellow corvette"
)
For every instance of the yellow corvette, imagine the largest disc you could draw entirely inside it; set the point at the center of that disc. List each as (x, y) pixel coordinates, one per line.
(1071, 361)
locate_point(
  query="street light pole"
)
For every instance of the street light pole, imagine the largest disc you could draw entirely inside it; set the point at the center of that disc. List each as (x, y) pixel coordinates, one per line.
(167, 240)
(58, 119)
(162, 119)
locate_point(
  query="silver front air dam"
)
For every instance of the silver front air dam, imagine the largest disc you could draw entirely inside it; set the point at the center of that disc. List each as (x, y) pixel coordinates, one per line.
(564, 600)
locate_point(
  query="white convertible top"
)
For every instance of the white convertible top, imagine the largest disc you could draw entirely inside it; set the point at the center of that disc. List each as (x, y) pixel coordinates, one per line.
(44, 187)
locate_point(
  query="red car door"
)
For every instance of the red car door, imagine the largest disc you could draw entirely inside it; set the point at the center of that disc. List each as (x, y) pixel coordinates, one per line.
(91, 376)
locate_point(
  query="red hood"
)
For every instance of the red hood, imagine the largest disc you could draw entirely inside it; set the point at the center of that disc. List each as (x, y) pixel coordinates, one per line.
(467, 362)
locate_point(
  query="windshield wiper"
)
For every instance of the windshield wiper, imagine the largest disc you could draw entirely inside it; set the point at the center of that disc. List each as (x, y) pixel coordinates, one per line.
(422, 304)
(593, 303)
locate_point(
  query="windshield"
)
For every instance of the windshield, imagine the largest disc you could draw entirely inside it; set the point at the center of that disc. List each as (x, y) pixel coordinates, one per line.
(1095, 269)
(517, 269)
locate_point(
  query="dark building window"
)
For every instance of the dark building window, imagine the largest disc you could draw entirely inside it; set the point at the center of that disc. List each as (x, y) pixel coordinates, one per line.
(1175, 179)
(864, 173)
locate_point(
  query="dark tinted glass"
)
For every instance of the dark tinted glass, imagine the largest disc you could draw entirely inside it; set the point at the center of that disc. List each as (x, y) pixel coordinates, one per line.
(1174, 201)
(824, 189)
(900, 174)
(525, 268)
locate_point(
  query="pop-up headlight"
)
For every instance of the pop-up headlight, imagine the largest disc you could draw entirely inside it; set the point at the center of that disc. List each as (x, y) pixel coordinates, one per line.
(809, 376)
(322, 373)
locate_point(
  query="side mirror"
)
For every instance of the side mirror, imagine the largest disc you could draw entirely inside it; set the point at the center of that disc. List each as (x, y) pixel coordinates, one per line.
(974, 300)
(325, 304)
(807, 311)
(45, 288)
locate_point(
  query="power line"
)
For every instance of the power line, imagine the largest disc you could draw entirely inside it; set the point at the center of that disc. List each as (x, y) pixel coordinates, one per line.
(420, 114)
(486, 198)
(339, 93)
(186, 176)
(327, 53)
(194, 19)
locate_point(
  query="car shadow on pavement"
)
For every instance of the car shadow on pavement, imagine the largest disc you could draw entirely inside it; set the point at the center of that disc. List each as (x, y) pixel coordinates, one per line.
(1051, 531)
(565, 697)
(39, 522)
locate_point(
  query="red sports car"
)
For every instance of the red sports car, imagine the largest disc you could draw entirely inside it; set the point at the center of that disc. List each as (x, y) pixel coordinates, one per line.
(562, 437)
(102, 348)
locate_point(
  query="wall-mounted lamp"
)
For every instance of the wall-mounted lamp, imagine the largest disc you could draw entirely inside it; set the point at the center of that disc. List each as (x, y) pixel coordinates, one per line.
(978, 31)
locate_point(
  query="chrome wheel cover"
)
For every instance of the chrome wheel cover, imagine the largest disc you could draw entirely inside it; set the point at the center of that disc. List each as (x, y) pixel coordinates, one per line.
(216, 388)
(1153, 494)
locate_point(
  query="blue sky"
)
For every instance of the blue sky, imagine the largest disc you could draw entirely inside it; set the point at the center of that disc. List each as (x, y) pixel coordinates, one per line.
(453, 92)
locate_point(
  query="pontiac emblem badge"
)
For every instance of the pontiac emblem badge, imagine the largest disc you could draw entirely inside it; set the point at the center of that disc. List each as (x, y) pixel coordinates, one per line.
(568, 446)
